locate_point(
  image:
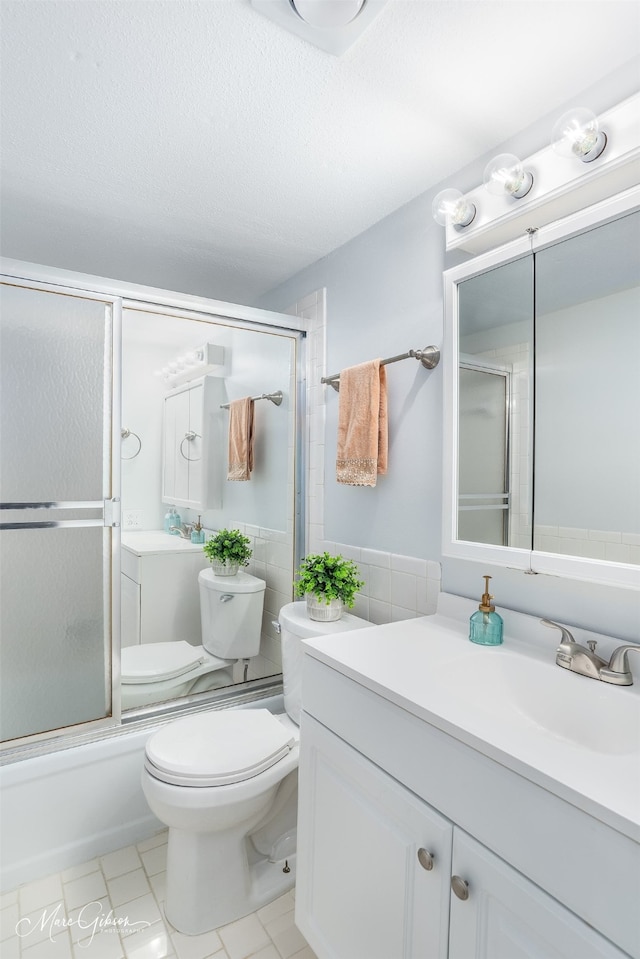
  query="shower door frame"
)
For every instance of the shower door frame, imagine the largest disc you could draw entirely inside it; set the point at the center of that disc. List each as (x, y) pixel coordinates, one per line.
(109, 505)
(131, 295)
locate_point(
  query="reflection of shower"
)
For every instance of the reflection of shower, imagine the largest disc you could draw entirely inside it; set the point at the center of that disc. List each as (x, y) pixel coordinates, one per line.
(483, 453)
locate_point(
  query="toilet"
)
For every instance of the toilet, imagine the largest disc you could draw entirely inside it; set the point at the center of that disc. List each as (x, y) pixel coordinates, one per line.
(225, 782)
(231, 619)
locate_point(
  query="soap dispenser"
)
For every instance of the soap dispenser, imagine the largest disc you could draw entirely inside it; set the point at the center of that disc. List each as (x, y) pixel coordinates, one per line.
(197, 532)
(175, 523)
(169, 518)
(485, 626)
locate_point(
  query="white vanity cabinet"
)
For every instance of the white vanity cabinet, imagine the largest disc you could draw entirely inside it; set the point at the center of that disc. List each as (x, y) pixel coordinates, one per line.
(378, 783)
(380, 875)
(374, 861)
(193, 453)
(160, 596)
(505, 915)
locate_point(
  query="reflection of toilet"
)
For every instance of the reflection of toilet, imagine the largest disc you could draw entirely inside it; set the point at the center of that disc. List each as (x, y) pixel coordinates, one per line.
(231, 617)
(225, 782)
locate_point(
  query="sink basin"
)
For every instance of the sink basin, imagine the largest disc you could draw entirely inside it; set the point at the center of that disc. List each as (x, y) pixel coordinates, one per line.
(157, 541)
(583, 711)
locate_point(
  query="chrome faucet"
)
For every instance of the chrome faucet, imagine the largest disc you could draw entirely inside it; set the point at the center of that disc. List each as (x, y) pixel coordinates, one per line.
(184, 530)
(586, 662)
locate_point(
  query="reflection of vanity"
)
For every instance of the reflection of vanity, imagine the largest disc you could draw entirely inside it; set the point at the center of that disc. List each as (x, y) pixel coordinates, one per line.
(542, 399)
(463, 799)
(160, 597)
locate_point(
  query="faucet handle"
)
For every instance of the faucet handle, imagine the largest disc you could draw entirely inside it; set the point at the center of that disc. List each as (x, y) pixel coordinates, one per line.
(618, 671)
(566, 635)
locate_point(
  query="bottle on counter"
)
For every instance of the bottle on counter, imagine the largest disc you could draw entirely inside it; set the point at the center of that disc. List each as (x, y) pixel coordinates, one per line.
(197, 532)
(485, 625)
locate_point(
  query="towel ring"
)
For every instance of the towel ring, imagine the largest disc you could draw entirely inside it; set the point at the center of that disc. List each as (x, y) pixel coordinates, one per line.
(125, 434)
(190, 435)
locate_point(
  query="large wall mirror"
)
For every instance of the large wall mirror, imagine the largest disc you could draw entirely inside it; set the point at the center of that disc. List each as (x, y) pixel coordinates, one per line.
(542, 457)
(174, 452)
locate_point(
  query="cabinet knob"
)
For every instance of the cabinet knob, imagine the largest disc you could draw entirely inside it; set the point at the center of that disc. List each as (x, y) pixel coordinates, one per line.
(460, 887)
(425, 859)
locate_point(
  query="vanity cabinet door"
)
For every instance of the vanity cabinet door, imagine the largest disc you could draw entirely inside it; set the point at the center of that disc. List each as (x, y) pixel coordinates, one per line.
(506, 915)
(361, 890)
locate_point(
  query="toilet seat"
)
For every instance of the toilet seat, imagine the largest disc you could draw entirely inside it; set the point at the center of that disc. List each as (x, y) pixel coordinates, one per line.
(156, 662)
(217, 749)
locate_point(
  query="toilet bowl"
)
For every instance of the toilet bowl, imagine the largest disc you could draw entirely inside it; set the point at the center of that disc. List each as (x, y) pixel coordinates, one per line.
(231, 622)
(225, 783)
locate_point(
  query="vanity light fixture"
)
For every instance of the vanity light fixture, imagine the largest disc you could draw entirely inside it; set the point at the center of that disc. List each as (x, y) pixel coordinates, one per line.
(190, 366)
(505, 175)
(577, 134)
(450, 206)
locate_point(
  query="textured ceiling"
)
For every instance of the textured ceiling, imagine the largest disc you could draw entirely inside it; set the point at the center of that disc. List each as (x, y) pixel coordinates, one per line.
(197, 146)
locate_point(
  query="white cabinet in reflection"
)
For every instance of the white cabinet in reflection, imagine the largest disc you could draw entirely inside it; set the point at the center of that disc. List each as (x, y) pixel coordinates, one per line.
(160, 593)
(193, 449)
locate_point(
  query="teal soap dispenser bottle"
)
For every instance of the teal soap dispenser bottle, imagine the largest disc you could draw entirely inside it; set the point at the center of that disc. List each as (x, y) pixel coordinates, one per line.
(485, 625)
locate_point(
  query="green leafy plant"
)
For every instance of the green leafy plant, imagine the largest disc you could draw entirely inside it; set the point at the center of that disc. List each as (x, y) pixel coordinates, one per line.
(328, 577)
(229, 546)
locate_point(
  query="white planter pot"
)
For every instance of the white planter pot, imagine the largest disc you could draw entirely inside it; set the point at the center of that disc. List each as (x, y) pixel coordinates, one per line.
(321, 611)
(224, 569)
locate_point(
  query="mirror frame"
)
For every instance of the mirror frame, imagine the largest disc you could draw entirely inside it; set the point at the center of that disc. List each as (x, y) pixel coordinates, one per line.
(529, 560)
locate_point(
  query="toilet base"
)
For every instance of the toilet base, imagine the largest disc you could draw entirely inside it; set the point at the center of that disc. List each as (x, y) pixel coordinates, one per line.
(233, 880)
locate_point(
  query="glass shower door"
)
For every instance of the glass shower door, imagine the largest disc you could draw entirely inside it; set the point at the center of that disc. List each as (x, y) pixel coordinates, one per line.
(59, 535)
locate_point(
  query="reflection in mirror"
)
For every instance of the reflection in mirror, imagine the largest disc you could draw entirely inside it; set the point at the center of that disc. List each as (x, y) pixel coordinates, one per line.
(494, 437)
(587, 438)
(163, 655)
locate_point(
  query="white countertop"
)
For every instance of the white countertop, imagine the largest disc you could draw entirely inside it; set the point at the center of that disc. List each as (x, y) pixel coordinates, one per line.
(576, 737)
(145, 542)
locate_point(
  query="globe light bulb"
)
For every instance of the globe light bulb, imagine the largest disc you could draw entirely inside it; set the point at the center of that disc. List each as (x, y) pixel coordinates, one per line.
(577, 134)
(505, 174)
(449, 206)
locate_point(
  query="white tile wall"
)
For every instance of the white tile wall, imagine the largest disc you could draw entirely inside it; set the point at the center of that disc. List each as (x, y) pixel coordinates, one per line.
(612, 545)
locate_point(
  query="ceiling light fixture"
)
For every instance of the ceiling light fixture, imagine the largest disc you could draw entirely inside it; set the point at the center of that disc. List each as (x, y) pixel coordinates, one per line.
(505, 174)
(577, 133)
(331, 25)
(327, 14)
(449, 206)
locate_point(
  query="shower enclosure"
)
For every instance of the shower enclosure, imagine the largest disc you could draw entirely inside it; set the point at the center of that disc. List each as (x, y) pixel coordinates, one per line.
(59, 540)
(65, 340)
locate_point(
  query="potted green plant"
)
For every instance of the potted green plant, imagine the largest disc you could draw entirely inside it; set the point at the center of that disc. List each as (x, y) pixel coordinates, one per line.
(329, 583)
(227, 551)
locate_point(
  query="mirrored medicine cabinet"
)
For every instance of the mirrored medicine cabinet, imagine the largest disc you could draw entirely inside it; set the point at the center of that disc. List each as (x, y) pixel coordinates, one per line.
(542, 399)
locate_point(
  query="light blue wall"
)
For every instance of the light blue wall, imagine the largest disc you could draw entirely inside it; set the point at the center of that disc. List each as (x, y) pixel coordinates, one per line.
(384, 296)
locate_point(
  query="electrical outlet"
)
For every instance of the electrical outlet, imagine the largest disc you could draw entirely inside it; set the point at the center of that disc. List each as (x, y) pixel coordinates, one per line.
(131, 519)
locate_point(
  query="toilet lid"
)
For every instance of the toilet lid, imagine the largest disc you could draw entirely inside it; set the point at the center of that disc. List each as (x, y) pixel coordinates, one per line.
(217, 749)
(154, 662)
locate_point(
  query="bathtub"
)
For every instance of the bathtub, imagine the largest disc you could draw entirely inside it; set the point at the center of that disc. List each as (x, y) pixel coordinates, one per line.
(67, 807)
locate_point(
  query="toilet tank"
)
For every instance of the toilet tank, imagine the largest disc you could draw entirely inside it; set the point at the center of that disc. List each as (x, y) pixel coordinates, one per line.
(295, 626)
(231, 614)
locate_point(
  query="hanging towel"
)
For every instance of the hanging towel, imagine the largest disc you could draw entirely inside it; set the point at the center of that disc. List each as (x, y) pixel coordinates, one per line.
(362, 424)
(240, 439)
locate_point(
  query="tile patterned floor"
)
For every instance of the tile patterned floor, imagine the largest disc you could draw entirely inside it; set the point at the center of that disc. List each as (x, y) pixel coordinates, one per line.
(73, 915)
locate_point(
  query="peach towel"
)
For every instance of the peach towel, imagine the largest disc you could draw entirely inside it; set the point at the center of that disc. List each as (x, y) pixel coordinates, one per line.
(240, 439)
(362, 424)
